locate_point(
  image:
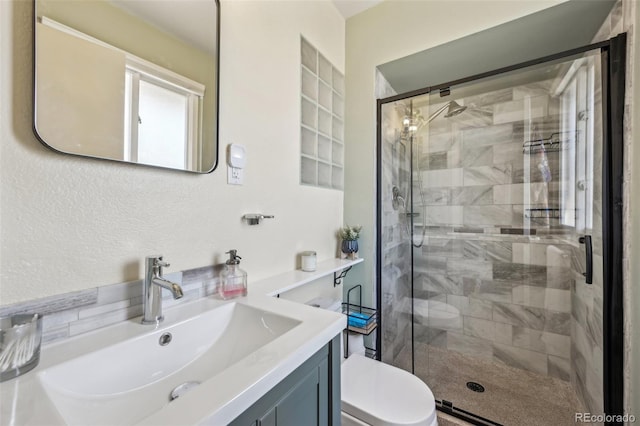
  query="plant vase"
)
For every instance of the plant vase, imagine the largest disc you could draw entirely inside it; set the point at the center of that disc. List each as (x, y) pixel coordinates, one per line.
(350, 249)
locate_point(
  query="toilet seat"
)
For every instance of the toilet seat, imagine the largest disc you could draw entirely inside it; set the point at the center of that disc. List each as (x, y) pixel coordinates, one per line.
(382, 395)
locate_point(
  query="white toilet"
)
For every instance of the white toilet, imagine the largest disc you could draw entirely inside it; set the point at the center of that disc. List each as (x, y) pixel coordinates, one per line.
(378, 394)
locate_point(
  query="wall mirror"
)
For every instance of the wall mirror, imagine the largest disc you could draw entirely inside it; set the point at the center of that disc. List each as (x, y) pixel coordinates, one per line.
(129, 80)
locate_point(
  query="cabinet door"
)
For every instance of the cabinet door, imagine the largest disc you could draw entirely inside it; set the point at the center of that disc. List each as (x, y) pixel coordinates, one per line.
(300, 406)
(268, 419)
(309, 396)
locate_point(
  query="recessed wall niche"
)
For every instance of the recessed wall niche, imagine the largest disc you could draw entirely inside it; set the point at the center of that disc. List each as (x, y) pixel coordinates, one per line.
(321, 120)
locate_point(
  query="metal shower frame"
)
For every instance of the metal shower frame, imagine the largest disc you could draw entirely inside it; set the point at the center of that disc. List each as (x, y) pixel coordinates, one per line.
(613, 60)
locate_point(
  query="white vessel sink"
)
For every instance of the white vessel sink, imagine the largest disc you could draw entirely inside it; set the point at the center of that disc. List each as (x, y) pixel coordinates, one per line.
(128, 381)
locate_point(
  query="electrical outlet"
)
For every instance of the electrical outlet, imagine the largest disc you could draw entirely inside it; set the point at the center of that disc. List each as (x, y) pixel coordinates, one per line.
(235, 176)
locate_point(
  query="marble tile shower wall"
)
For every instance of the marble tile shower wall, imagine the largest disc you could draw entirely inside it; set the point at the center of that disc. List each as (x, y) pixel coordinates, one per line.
(473, 170)
(504, 298)
(396, 248)
(70, 314)
(492, 251)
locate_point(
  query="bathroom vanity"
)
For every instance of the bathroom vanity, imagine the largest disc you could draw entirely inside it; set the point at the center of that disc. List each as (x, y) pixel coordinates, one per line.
(309, 395)
(258, 359)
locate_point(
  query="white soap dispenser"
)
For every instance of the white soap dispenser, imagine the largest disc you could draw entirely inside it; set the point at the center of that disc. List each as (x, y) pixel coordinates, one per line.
(233, 280)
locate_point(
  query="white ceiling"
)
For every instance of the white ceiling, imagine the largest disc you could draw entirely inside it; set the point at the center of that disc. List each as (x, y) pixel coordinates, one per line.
(348, 8)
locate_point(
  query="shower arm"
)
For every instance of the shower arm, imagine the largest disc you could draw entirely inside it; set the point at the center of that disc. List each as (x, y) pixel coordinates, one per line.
(438, 112)
(435, 114)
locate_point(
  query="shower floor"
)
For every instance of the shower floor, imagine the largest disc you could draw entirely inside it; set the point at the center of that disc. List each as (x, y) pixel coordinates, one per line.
(512, 396)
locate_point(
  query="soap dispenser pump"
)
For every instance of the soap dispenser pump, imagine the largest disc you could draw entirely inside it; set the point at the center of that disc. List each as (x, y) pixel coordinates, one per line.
(233, 280)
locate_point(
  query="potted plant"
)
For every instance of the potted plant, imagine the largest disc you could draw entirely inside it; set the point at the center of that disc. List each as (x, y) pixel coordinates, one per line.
(349, 236)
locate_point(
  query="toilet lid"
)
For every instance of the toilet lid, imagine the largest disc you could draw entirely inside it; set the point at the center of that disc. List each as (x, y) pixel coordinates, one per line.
(384, 395)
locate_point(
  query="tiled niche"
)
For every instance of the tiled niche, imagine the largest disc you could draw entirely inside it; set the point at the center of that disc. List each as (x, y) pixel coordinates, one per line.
(321, 120)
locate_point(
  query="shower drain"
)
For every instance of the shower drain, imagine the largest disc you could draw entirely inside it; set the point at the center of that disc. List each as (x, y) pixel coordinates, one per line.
(476, 387)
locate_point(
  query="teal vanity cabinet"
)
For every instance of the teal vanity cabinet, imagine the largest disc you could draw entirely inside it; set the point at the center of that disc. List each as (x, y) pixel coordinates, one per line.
(309, 396)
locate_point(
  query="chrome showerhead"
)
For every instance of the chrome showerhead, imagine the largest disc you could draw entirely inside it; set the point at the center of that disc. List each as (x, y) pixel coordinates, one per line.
(454, 109)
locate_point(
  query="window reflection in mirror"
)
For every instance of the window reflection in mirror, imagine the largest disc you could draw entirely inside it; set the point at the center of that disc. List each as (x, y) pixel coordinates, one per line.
(112, 81)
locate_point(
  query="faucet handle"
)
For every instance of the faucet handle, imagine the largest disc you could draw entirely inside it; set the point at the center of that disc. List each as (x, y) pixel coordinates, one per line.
(155, 262)
(162, 263)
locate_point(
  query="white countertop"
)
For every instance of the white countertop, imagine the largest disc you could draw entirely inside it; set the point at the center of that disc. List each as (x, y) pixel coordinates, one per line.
(216, 401)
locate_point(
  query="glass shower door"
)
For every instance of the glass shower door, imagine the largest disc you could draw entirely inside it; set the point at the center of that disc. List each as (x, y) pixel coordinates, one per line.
(512, 188)
(399, 168)
(491, 195)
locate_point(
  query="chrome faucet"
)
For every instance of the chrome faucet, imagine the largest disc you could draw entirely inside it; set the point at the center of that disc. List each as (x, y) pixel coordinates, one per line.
(152, 290)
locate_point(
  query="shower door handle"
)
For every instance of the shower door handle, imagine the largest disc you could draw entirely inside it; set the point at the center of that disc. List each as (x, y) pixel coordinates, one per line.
(586, 240)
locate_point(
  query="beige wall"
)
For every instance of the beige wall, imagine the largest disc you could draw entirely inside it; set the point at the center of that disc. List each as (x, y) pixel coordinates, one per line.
(70, 223)
(391, 30)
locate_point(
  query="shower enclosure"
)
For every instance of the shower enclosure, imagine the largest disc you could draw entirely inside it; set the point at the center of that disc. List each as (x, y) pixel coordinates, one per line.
(499, 229)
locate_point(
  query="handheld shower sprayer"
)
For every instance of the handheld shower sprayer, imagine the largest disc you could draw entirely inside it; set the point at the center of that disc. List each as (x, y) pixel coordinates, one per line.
(412, 122)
